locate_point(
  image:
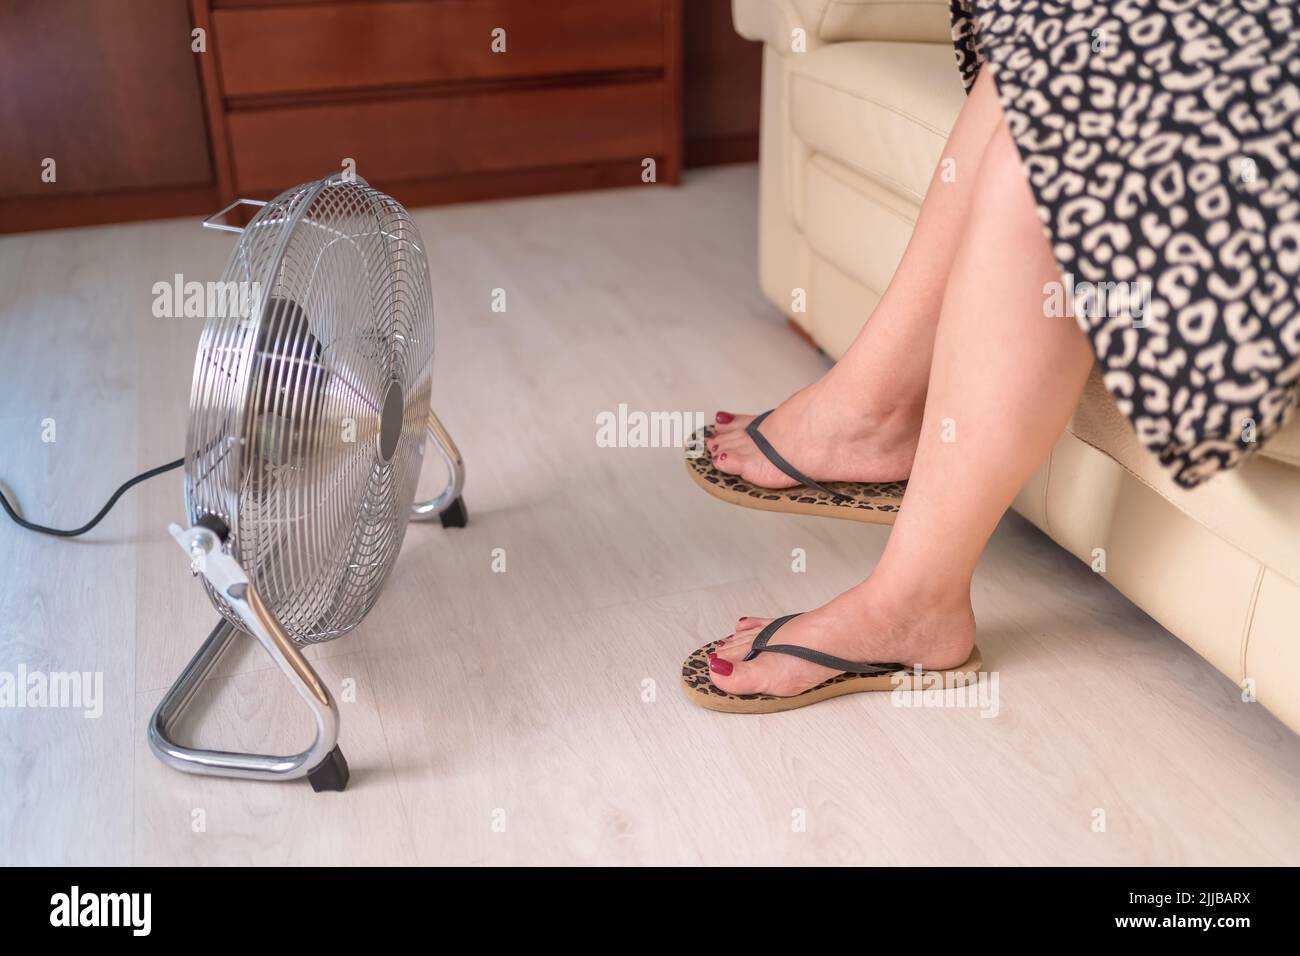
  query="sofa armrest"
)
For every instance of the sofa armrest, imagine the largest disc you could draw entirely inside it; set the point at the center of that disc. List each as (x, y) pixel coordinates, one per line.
(767, 21)
(835, 21)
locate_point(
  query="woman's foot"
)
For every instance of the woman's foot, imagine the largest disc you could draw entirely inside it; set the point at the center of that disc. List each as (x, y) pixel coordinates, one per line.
(872, 623)
(827, 432)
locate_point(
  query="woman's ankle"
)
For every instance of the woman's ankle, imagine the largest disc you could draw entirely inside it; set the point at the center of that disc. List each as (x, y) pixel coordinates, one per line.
(874, 406)
(919, 597)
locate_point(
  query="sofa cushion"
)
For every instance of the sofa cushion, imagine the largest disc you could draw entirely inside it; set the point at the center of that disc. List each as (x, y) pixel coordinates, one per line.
(835, 21)
(883, 109)
(1254, 506)
(1285, 445)
(854, 223)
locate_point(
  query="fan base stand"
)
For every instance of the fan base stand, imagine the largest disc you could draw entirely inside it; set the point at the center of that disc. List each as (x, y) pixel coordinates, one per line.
(456, 515)
(330, 769)
(448, 505)
(331, 773)
(323, 763)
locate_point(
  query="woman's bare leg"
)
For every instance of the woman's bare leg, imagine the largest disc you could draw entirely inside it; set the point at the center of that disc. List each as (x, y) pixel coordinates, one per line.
(860, 421)
(1003, 383)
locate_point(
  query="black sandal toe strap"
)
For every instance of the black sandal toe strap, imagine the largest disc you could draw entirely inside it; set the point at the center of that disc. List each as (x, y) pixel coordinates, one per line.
(774, 456)
(761, 646)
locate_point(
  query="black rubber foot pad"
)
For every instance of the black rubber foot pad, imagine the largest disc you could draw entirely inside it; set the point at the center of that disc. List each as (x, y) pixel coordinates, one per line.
(456, 515)
(331, 773)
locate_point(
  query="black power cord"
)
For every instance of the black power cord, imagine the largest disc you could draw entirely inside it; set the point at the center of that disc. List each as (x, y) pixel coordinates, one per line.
(127, 486)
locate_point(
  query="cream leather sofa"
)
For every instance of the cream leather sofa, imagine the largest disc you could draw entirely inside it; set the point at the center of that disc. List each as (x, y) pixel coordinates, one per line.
(853, 127)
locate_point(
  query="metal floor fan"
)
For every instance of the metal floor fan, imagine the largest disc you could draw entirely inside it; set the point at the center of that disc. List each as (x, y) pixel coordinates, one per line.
(308, 414)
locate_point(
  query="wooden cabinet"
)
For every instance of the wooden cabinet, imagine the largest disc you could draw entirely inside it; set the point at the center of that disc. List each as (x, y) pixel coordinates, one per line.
(434, 100)
(396, 44)
(109, 92)
(427, 138)
(448, 100)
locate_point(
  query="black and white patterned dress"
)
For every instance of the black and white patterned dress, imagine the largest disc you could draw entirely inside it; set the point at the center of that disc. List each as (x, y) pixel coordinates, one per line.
(1161, 139)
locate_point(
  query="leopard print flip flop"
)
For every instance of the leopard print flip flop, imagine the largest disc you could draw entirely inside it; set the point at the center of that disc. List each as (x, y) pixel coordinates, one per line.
(873, 502)
(856, 679)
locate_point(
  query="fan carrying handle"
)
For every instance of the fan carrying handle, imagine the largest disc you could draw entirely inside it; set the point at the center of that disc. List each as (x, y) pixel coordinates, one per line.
(228, 578)
(450, 495)
(214, 221)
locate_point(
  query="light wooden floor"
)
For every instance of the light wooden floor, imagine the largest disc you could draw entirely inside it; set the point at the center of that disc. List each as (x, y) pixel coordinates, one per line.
(534, 716)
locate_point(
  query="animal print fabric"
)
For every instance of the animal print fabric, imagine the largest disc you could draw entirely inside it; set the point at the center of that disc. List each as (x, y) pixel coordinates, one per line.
(1161, 139)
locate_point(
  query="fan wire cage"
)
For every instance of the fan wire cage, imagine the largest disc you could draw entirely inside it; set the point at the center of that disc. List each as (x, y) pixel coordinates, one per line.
(308, 417)
(291, 439)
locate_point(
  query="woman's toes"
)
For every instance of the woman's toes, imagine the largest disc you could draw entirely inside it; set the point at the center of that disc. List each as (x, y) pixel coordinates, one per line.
(739, 678)
(735, 454)
(719, 666)
(731, 458)
(732, 423)
(748, 628)
(735, 649)
(771, 674)
(728, 440)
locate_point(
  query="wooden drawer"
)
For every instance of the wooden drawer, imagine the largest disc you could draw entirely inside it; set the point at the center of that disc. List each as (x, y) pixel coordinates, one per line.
(423, 137)
(340, 46)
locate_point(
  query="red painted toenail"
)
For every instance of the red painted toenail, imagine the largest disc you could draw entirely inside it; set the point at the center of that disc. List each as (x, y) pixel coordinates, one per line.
(720, 666)
(744, 619)
(724, 418)
(722, 457)
(713, 447)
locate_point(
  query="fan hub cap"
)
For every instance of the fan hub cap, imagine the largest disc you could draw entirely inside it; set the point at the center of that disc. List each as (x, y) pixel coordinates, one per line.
(390, 421)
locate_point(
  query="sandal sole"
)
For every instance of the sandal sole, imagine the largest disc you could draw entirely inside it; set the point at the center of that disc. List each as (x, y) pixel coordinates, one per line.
(873, 502)
(704, 693)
